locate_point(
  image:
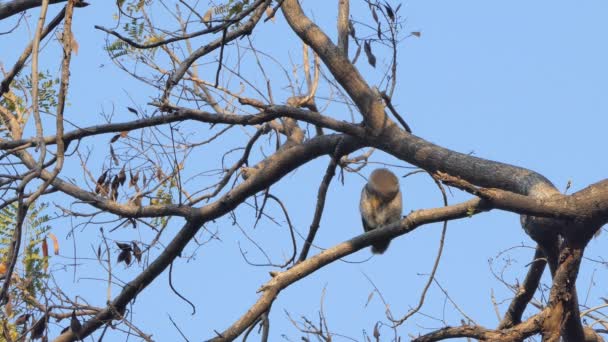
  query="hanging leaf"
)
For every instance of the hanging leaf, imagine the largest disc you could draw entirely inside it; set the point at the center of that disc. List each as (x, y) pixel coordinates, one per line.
(269, 13)
(389, 11)
(136, 251)
(124, 134)
(2, 268)
(114, 138)
(416, 34)
(351, 29)
(113, 155)
(122, 176)
(45, 254)
(125, 255)
(74, 44)
(377, 332)
(123, 246)
(207, 18)
(379, 32)
(398, 7)
(132, 110)
(100, 181)
(55, 243)
(371, 59)
(374, 15)
(134, 178)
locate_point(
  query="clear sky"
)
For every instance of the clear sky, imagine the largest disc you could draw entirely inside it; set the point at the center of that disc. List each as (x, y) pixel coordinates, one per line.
(521, 82)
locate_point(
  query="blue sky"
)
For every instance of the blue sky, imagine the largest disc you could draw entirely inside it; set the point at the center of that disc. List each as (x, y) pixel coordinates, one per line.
(518, 82)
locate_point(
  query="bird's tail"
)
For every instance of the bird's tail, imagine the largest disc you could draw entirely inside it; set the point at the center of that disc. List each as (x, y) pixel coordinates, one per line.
(380, 247)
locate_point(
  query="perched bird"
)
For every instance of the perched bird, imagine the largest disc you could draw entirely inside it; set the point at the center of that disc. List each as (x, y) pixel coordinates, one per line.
(380, 204)
(75, 325)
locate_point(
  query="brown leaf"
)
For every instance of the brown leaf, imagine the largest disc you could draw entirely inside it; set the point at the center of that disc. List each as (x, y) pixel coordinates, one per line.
(114, 138)
(45, 248)
(159, 174)
(136, 251)
(132, 110)
(389, 11)
(371, 59)
(124, 134)
(8, 307)
(122, 176)
(207, 18)
(55, 243)
(74, 44)
(377, 332)
(416, 34)
(2, 268)
(100, 180)
(374, 15)
(269, 13)
(125, 255)
(114, 158)
(123, 246)
(134, 179)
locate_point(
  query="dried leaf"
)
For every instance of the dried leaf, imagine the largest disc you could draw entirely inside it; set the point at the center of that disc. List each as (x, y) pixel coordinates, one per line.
(379, 31)
(369, 298)
(125, 255)
(132, 110)
(398, 7)
(371, 59)
(100, 181)
(55, 243)
(416, 34)
(99, 251)
(2, 268)
(377, 332)
(45, 254)
(106, 188)
(269, 13)
(124, 134)
(136, 251)
(351, 29)
(74, 44)
(134, 179)
(389, 11)
(374, 15)
(114, 138)
(207, 18)
(123, 246)
(8, 307)
(113, 155)
(122, 176)
(159, 174)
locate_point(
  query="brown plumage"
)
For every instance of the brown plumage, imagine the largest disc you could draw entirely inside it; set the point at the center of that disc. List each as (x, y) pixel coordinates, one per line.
(380, 204)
